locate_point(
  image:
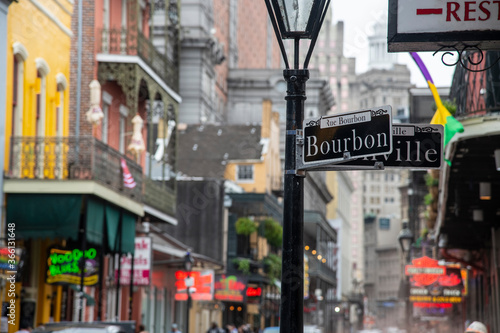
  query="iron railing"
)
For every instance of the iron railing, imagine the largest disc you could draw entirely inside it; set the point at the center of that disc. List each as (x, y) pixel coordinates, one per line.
(160, 196)
(316, 268)
(133, 42)
(72, 158)
(476, 91)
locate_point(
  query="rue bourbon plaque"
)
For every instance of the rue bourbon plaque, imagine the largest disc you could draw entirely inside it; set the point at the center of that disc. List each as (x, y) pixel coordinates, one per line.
(340, 137)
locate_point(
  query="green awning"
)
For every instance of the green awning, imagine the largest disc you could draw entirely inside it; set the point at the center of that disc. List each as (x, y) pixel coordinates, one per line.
(127, 234)
(51, 216)
(44, 215)
(95, 221)
(112, 225)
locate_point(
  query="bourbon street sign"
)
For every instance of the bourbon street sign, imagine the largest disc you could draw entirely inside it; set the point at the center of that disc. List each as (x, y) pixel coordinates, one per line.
(413, 146)
(432, 25)
(336, 138)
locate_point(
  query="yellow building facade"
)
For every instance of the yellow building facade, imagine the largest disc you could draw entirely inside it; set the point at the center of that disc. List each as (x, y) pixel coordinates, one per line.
(267, 170)
(38, 68)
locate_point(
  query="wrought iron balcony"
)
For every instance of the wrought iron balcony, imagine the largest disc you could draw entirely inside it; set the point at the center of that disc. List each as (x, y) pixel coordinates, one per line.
(72, 158)
(133, 42)
(476, 85)
(319, 269)
(159, 196)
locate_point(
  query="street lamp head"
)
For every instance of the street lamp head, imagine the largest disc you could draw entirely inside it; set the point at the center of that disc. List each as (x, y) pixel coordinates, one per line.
(297, 19)
(405, 238)
(188, 262)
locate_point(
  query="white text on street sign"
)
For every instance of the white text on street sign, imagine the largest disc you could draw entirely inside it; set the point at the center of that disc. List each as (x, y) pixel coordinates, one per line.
(335, 138)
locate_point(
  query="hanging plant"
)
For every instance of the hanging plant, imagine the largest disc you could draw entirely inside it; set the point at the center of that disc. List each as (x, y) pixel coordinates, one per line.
(273, 232)
(450, 105)
(272, 265)
(428, 199)
(245, 226)
(430, 181)
(243, 265)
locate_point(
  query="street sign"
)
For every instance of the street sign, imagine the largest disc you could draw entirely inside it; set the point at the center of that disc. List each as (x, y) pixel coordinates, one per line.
(332, 139)
(413, 146)
(431, 25)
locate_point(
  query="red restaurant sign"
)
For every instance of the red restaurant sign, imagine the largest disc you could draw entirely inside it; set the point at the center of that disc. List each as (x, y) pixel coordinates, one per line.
(425, 270)
(431, 282)
(203, 287)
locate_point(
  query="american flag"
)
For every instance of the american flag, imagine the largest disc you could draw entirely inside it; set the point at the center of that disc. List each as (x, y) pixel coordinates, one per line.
(128, 180)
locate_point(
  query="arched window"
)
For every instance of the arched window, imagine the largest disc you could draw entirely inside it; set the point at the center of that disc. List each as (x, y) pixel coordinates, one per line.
(41, 95)
(62, 84)
(20, 55)
(41, 98)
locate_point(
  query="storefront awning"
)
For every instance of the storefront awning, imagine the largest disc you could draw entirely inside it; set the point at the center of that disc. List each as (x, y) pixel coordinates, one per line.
(44, 216)
(39, 216)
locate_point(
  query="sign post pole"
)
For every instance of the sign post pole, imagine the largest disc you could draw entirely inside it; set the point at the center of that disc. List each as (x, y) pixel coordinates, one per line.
(292, 287)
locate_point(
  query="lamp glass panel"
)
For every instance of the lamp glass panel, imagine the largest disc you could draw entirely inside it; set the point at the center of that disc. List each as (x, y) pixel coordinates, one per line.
(295, 14)
(406, 242)
(497, 159)
(485, 191)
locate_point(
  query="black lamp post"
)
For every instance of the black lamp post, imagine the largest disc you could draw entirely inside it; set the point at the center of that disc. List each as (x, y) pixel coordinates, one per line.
(188, 266)
(406, 239)
(294, 19)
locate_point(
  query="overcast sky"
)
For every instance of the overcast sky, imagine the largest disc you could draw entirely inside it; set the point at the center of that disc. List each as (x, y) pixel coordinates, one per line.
(359, 16)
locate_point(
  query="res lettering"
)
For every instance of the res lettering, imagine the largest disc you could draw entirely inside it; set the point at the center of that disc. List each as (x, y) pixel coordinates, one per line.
(473, 11)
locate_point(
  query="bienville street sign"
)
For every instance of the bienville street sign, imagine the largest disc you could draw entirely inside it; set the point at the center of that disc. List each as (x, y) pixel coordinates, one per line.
(413, 146)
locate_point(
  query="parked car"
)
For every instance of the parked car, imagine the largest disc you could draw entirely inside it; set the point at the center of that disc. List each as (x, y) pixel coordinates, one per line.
(307, 329)
(95, 327)
(274, 329)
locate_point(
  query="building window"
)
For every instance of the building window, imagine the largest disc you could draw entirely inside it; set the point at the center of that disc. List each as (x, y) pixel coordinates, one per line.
(41, 88)
(107, 99)
(244, 173)
(17, 97)
(20, 56)
(61, 85)
(123, 117)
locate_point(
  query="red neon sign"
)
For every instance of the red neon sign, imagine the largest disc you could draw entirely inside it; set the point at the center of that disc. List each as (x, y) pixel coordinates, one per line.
(203, 284)
(229, 288)
(432, 305)
(425, 270)
(254, 292)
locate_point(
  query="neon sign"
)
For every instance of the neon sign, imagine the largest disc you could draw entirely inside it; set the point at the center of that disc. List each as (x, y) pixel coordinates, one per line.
(254, 292)
(202, 289)
(64, 267)
(431, 282)
(230, 288)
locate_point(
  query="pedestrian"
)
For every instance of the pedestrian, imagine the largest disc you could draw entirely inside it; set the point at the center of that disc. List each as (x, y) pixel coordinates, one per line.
(175, 329)
(24, 327)
(476, 327)
(142, 329)
(215, 328)
(234, 329)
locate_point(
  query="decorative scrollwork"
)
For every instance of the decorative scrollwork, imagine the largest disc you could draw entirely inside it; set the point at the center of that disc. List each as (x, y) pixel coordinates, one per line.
(426, 129)
(465, 57)
(378, 112)
(313, 123)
